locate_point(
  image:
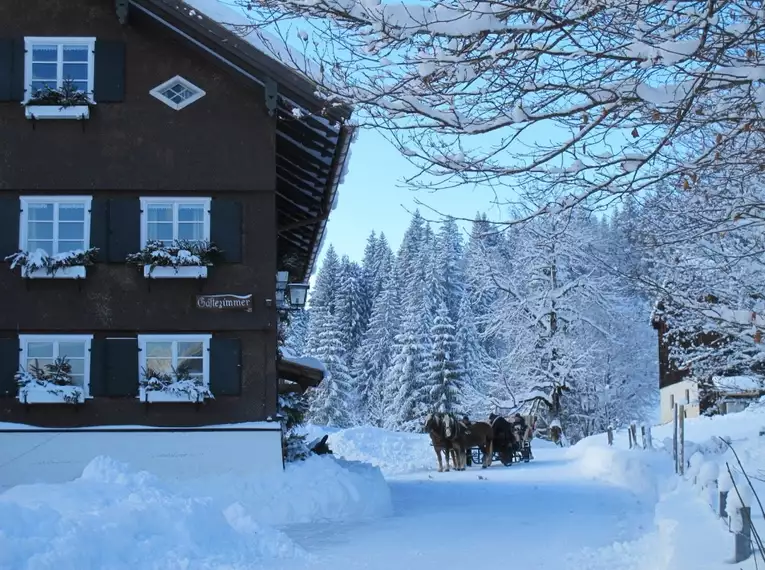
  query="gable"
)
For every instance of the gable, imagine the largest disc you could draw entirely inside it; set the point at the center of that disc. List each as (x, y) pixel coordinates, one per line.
(312, 137)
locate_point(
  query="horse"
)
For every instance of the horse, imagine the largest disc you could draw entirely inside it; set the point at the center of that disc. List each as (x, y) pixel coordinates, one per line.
(474, 434)
(504, 438)
(442, 429)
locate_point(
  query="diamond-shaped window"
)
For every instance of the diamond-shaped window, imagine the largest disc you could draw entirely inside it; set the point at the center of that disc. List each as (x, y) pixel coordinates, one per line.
(177, 93)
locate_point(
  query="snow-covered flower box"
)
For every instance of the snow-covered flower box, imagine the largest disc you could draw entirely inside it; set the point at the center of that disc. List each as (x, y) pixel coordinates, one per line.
(49, 384)
(39, 112)
(65, 102)
(67, 265)
(158, 387)
(179, 260)
(181, 272)
(41, 392)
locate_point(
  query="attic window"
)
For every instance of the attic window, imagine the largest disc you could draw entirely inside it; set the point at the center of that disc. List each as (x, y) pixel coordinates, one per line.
(177, 93)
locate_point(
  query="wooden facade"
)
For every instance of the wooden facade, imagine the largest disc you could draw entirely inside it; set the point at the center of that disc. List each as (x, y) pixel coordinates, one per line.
(267, 180)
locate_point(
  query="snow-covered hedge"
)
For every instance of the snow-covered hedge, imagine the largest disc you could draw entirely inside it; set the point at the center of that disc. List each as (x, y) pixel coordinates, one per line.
(394, 453)
(115, 518)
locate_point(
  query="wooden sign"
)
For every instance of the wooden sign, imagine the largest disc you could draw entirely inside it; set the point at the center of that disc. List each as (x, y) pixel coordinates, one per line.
(225, 302)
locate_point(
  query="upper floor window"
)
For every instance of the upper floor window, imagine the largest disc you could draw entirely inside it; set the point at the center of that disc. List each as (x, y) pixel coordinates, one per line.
(55, 224)
(50, 62)
(171, 219)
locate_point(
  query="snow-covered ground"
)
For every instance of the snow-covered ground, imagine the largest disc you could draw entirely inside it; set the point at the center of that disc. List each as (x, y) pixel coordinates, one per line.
(587, 507)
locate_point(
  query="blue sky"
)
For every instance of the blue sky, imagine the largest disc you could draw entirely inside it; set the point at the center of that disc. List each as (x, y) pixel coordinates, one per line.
(371, 198)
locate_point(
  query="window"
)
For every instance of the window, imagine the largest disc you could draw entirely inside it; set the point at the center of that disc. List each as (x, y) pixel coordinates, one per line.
(39, 350)
(55, 224)
(169, 353)
(671, 401)
(169, 219)
(49, 62)
(687, 396)
(177, 93)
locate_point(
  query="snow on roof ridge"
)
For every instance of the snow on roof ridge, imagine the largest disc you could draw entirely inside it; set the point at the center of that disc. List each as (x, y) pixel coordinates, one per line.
(235, 20)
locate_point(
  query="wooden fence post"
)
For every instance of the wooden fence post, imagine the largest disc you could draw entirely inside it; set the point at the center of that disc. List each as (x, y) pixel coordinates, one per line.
(722, 504)
(629, 435)
(743, 535)
(674, 436)
(633, 431)
(610, 435)
(642, 435)
(649, 437)
(681, 439)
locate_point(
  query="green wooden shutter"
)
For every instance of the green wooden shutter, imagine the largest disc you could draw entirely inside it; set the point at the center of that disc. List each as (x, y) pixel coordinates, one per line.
(226, 228)
(109, 72)
(10, 212)
(122, 367)
(12, 69)
(99, 227)
(9, 365)
(98, 384)
(124, 228)
(225, 366)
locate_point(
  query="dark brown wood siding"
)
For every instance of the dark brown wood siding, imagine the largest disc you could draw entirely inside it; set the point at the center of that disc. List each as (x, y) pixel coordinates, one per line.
(257, 400)
(224, 140)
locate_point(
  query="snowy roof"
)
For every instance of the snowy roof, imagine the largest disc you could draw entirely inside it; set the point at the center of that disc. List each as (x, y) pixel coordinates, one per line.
(304, 370)
(737, 383)
(313, 134)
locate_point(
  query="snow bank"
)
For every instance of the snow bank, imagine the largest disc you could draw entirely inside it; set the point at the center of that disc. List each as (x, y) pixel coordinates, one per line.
(395, 453)
(139, 521)
(136, 522)
(321, 488)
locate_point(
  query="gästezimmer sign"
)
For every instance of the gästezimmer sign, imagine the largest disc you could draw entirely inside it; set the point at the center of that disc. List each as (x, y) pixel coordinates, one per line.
(225, 302)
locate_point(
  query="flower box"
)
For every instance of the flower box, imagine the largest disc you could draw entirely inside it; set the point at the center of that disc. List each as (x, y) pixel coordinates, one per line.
(164, 396)
(181, 272)
(38, 112)
(74, 272)
(36, 394)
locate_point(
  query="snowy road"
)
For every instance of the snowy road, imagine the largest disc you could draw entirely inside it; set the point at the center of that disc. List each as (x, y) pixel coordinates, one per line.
(533, 516)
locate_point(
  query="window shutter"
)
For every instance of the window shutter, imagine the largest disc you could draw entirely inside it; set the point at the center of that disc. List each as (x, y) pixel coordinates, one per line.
(99, 227)
(9, 365)
(11, 69)
(98, 385)
(10, 212)
(225, 366)
(122, 367)
(226, 228)
(124, 228)
(109, 72)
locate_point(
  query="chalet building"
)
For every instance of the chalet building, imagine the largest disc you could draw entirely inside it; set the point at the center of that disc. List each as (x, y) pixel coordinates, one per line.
(157, 171)
(719, 394)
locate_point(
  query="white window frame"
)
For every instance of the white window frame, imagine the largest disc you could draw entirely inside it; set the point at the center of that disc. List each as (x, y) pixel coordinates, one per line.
(30, 41)
(25, 339)
(157, 93)
(175, 201)
(175, 338)
(86, 201)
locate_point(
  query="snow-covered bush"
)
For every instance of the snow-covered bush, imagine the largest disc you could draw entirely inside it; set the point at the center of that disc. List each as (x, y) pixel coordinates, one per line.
(53, 378)
(181, 253)
(40, 259)
(65, 96)
(179, 383)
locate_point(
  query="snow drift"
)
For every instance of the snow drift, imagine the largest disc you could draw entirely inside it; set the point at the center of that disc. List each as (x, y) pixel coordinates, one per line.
(139, 521)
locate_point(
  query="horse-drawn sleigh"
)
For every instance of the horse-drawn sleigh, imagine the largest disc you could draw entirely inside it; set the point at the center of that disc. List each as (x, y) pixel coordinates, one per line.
(507, 440)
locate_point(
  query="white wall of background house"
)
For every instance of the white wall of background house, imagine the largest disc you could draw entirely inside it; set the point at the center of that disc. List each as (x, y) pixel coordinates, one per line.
(686, 393)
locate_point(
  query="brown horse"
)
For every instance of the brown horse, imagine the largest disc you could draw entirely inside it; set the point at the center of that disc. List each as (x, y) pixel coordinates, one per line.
(442, 429)
(473, 434)
(504, 438)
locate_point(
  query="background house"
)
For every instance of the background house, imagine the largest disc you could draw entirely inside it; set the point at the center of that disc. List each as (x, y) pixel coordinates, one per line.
(187, 132)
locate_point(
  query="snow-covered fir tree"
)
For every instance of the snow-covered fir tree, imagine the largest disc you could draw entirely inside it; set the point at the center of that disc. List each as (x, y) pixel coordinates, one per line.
(444, 375)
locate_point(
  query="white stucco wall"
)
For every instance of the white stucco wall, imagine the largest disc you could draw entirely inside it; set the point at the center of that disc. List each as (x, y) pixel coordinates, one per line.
(686, 393)
(32, 455)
